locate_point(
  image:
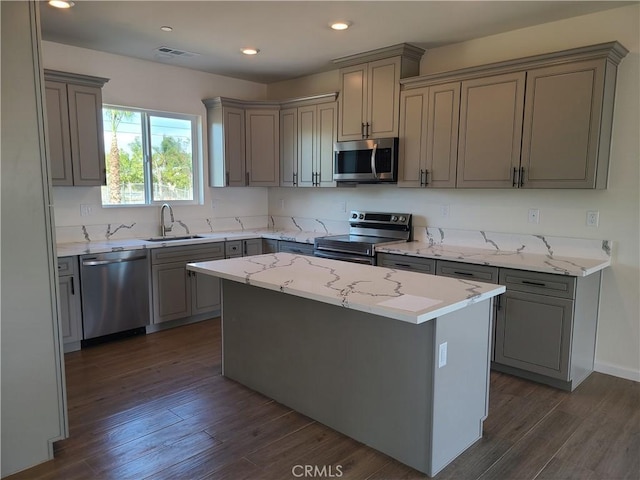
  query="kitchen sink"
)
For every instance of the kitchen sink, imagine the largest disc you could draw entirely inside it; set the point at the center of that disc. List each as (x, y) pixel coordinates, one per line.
(173, 238)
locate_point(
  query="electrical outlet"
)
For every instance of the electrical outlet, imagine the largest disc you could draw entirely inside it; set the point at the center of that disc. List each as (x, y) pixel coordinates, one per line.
(534, 215)
(593, 218)
(86, 210)
(442, 355)
(444, 211)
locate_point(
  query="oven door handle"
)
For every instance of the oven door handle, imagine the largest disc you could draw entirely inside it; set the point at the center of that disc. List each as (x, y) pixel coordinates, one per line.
(345, 257)
(373, 160)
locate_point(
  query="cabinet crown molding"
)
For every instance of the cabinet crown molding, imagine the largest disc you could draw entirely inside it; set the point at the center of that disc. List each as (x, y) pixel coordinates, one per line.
(310, 100)
(404, 50)
(75, 78)
(612, 51)
(234, 102)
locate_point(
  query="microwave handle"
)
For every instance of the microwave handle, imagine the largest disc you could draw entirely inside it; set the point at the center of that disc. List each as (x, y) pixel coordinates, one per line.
(373, 160)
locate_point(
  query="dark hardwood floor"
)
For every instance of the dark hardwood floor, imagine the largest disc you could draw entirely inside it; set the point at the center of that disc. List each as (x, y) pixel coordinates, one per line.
(157, 407)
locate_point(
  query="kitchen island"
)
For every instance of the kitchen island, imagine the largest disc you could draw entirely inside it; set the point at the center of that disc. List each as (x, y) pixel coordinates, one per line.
(396, 360)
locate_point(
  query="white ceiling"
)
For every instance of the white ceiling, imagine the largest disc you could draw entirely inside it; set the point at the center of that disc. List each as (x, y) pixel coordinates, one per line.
(294, 37)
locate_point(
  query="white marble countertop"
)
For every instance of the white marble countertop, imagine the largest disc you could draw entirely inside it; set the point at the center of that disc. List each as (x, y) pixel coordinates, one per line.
(401, 295)
(534, 262)
(82, 248)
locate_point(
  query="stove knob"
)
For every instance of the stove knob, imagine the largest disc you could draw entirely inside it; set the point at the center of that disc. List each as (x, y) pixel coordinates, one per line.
(361, 216)
(354, 215)
(394, 218)
(402, 219)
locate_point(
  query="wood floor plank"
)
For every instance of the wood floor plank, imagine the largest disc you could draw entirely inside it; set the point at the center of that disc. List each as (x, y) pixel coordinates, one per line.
(529, 456)
(163, 458)
(247, 440)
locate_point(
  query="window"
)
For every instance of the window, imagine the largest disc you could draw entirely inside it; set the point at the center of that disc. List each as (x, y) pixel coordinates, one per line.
(151, 157)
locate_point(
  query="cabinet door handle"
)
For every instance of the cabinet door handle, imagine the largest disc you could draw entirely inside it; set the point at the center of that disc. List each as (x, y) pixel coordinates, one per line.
(362, 131)
(515, 176)
(73, 288)
(465, 274)
(421, 177)
(368, 128)
(226, 176)
(317, 179)
(295, 179)
(426, 178)
(498, 302)
(246, 178)
(405, 265)
(535, 284)
(521, 176)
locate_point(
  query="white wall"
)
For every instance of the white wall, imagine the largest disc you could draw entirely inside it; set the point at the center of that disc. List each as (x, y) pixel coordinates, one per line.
(32, 387)
(562, 212)
(142, 84)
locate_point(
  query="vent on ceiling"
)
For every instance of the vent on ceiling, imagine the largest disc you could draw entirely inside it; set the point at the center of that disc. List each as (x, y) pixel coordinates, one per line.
(167, 52)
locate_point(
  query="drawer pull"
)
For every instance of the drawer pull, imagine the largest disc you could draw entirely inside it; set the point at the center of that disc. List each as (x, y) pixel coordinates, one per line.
(466, 274)
(405, 265)
(535, 284)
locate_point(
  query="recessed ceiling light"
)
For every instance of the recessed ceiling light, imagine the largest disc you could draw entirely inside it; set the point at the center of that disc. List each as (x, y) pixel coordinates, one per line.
(249, 51)
(166, 28)
(340, 25)
(61, 3)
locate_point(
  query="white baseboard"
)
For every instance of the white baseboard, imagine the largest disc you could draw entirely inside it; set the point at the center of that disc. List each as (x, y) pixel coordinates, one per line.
(617, 371)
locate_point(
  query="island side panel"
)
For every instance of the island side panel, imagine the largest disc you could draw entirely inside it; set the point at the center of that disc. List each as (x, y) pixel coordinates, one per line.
(366, 376)
(461, 386)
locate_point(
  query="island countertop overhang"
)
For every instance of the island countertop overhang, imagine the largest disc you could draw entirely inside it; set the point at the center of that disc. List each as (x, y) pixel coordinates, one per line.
(401, 295)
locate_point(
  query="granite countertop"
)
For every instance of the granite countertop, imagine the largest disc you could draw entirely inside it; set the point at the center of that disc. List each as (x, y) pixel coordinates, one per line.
(535, 262)
(82, 248)
(401, 295)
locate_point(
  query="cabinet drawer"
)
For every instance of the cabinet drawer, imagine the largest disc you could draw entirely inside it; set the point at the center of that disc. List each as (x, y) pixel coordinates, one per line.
(191, 253)
(66, 265)
(402, 262)
(481, 273)
(541, 283)
(295, 247)
(233, 248)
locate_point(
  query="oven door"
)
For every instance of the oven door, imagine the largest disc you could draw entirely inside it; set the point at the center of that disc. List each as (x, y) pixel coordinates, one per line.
(345, 257)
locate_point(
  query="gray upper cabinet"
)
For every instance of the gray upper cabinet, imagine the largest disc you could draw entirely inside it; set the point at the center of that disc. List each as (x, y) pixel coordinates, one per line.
(307, 134)
(428, 150)
(75, 130)
(491, 111)
(538, 122)
(244, 144)
(263, 147)
(567, 125)
(370, 91)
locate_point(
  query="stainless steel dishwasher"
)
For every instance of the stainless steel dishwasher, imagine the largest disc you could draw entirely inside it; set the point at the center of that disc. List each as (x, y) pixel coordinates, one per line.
(115, 293)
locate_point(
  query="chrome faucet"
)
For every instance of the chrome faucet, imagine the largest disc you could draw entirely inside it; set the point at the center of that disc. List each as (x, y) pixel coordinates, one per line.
(163, 228)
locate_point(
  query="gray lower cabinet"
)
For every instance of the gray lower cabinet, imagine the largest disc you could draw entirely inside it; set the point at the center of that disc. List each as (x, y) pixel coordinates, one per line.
(295, 247)
(269, 245)
(178, 293)
(546, 327)
(402, 262)
(70, 310)
(242, 248)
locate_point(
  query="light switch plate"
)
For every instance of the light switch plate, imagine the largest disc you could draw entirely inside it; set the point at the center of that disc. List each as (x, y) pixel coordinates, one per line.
(534, 215)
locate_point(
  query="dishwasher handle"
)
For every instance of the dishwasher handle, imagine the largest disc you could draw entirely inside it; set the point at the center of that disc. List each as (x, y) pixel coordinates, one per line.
(94, 262)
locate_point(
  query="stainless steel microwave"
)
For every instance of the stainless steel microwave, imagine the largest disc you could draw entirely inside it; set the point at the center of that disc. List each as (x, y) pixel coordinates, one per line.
(366, 161)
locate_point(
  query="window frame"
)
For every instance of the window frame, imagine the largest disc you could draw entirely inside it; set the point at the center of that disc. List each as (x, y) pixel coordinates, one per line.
(196, 156)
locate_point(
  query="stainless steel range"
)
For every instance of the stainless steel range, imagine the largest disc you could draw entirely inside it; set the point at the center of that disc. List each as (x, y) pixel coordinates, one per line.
(366, 231)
